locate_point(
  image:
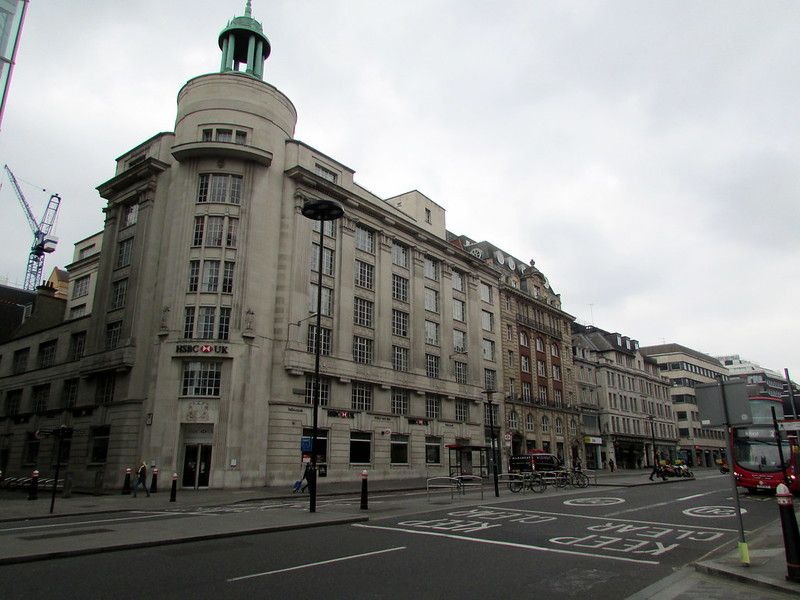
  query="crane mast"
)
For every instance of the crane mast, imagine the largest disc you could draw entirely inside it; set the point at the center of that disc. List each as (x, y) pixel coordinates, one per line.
(43, 241)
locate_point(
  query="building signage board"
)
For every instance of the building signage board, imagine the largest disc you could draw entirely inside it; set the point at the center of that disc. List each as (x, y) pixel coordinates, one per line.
(201, 349)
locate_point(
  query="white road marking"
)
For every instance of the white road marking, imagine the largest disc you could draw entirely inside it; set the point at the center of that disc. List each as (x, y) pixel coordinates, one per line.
(149, 515)
(696, 495)
(316, 564)
(574, 516)
(508, 544)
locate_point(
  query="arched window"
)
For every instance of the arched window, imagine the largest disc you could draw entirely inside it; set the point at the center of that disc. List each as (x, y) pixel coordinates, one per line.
(529, 423)
(545, 424)
(573, 427)
(513, 420)
(559, 426)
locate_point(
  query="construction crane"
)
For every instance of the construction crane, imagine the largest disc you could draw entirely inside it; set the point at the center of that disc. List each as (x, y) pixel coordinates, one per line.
(43, 241)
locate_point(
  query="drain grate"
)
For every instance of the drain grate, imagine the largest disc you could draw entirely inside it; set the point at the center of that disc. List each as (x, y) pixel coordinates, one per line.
(76, 532)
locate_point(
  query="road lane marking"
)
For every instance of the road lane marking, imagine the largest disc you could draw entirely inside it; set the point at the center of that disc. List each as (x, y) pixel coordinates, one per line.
(697, 495)
(316, 564)
(604, 518)
(148, 516)
(508, 544)
(594, 501)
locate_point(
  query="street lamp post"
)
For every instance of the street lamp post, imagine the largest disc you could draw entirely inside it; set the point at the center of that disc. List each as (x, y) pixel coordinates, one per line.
(318, 209)
(494, 441)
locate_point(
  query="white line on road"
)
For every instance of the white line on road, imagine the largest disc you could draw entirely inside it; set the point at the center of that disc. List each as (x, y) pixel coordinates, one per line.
(322, 562)
(697, 495)
(508, 544)
(606, 518)
(650, 506)
(149, 515)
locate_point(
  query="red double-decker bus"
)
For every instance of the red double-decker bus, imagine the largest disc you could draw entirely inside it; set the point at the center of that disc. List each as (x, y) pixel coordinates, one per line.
(756, 462)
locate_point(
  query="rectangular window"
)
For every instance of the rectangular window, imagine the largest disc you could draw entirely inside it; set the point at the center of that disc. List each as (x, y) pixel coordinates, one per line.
(77, 311)
(459, 310)
(119, 293)
(526, 391)
(488, 349)
(199, 229)
(327, 300)
(398, 453)
(399, 358)
(69, 393)
(487, 320)
(232, 232)
(241, 138)
(124, 251)
(311, 340)
(224, 328)
(543, 394)
(541, 369)
(224, 135)
(399, 401)
(399, 288)
(433, 406)
(81, 287)
(327, 260)
(459, 341)
(360, 447)
(227, 277)
(330, 227)
(30, 452)
(362, 350)
(361, 396)
(77, 344)
(399, 255)
(365, 239)
(399, 323)
(201, 378)
(486, 292)
(98, 443)
(431, 333)
(324, 390)
(489, 379)
(13, 402)
(433, 450)
(188, 322)
(194, 275)
(458, 281)
(462, 411)
(130, 214)
(47, 354)
(214, 231)
(431, 268)
(460, 372)
(40, 398)
(432, 366)
(362, 312)
(556, 372)
(104, 388)
(431, 300)
(210, 276)
(218, 187)
(525, 364)
(364, 274)
(325, 173)
(205, 325)
(113, 334)
(20, 361)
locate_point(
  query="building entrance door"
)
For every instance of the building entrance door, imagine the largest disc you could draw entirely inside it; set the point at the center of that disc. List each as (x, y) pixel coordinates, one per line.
(196, 465)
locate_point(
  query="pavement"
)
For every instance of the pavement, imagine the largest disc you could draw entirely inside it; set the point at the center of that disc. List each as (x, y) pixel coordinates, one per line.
(95, 524)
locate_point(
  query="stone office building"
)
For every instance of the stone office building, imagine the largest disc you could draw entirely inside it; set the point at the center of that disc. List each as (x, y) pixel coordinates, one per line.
(196, 349)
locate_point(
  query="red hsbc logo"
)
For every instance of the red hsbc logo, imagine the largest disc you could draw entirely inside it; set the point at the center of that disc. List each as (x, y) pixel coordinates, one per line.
(206, 348)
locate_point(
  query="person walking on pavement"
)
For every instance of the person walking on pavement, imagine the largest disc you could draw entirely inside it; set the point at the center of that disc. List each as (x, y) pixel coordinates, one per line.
(141, 479)
(611, 464)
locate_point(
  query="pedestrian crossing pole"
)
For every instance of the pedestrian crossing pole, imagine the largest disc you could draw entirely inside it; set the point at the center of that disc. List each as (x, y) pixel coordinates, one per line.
(744, 553)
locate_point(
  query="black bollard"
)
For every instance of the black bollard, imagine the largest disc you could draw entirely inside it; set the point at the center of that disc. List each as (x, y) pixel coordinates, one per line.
(791, 536)
(126, 486)
(154, 482)
(364, 505)
(174, 491)
(33, 492)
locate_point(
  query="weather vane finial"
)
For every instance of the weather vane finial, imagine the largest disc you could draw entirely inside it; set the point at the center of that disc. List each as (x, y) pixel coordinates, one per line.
(247, 11)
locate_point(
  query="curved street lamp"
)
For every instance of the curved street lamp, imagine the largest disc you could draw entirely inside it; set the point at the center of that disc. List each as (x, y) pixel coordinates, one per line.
(318, 209)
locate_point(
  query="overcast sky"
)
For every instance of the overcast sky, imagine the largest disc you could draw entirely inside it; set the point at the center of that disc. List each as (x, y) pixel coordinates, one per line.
(644, 154)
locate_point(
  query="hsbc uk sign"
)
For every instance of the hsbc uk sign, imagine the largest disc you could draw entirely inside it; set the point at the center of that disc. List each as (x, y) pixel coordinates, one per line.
(200, 349)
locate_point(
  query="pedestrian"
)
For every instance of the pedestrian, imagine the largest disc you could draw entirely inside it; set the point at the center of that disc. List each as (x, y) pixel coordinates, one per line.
(656, 471)
(141, 479)
(301, 484)
(577, 466)
(611, 464)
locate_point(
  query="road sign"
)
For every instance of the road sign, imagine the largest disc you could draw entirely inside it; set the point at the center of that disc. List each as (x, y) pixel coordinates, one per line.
(709, 403)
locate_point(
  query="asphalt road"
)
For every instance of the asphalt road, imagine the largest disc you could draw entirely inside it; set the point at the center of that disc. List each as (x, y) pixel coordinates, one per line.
(597, 543)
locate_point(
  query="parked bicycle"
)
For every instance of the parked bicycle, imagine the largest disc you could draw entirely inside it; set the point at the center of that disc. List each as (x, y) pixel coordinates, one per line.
(578, 479)
(531, 481)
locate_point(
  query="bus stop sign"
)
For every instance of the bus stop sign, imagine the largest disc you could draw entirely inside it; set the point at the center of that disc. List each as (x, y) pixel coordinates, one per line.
(709, 403)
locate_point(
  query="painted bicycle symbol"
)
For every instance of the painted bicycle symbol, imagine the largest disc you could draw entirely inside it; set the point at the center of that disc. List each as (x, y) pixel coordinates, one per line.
(597, 501)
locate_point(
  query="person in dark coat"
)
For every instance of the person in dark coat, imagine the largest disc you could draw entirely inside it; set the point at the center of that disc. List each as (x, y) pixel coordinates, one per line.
(141, 479)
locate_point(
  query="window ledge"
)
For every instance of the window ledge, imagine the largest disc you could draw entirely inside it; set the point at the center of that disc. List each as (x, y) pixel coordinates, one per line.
(190, 150)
